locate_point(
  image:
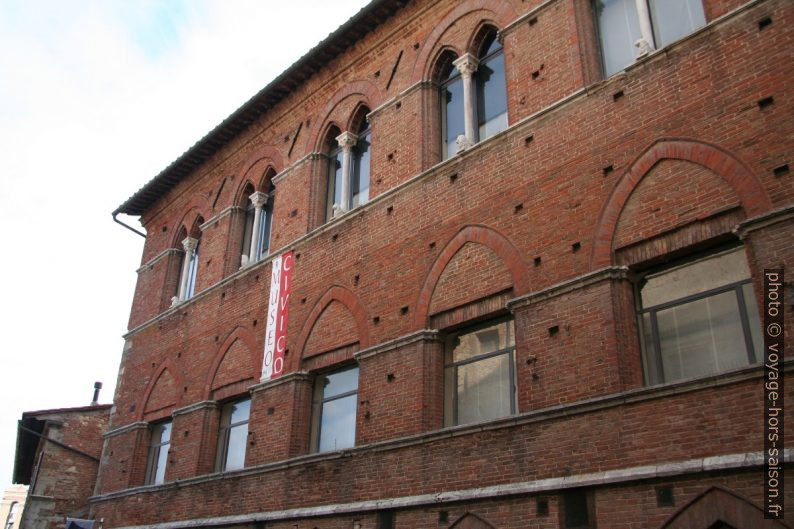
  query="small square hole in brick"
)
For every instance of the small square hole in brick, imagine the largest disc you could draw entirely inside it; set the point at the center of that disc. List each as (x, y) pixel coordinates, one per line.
(608, 169)
(443, 516)
(518, 208)
(390, 377)
(575, 247)
(617, 95)
(543, 507)
(404, 310)
(529, 139)
(376, 320)
(453, 177)
(782, 170)
(766, 102)
(664, 496)
(764, 23)
(536, 261)
(271, 411)
(533, 21)
(554, 330)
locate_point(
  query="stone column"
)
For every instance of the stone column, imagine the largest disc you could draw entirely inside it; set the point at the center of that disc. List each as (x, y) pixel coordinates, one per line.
(645, 44)
(258, 199)
(346, 140)
(189, 244)
(467, 66)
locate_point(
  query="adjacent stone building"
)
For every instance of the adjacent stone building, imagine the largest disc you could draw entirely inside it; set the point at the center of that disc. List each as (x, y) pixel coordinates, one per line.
(518, 250)
(12, 505)
(57, 456)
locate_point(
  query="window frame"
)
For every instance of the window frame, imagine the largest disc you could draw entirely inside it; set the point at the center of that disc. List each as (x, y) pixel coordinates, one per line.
(652, 22)
(319, 401)
(512, 371)
(655, 355)
(224, 435)
(154, 451)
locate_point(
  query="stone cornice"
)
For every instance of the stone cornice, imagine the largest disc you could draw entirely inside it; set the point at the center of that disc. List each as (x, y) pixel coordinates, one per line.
(195, 407)
(156, 258)
(570, 285)
(297, 376)
(126, 428)
(418, 336)
(784, 214)
(215, 218)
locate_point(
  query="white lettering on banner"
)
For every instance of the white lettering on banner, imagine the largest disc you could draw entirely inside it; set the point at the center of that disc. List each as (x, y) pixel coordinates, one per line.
(277, 310)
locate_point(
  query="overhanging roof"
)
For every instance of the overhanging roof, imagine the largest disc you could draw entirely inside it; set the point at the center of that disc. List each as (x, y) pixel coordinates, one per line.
(368, 18)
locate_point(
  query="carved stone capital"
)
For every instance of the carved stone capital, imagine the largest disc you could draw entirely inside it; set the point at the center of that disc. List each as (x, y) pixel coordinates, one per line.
(347, 140)
(189, 244)
(258, 199)
(466, 64)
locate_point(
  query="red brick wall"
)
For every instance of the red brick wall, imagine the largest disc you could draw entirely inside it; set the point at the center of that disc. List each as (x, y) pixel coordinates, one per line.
(664, 158)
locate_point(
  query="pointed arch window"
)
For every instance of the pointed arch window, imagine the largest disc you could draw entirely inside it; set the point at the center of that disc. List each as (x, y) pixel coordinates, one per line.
(359, 179)
(188, 274)
(473, 95)
(257, 226)
(349, 161)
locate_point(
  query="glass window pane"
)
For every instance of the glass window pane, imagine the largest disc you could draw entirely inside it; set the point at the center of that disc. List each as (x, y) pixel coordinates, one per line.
(619, 29)
(340, 382)
(701, 337)
(673, 19)
(235, 452)
(754, 320)
(652, 375)
(162, 461)
(239, 411)
(265, 227)
(452, 115)
(191, 274)
(334, 181)
(338, 424)
(359, 185)
(484, 389)
(249, 226)
(491, 96)
(481, 341)
(693, 278)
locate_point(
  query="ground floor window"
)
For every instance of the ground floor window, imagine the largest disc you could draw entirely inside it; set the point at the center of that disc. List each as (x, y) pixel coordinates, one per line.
(480, 373)
(698, 317)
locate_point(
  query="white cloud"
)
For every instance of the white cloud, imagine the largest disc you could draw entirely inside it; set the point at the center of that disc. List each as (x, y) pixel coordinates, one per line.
(96, 98)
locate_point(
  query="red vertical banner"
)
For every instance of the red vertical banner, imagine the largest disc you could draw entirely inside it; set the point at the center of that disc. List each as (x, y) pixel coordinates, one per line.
(277, 316)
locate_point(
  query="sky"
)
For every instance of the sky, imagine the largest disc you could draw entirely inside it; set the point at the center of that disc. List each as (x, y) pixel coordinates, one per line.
(96, 98)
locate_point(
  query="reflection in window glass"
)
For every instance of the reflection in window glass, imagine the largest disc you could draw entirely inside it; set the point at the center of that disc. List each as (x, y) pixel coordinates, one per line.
(265, 223)
(233, 435)
(334, 182)
(673, 19)
(491, 89)
(336, 397)
(191, 272)
(619, 29)
(452, 124)
(359, 183)
(158, 453)
(699, 318)
(479, 374)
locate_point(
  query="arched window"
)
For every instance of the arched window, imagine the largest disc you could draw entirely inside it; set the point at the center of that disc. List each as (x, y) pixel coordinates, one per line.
(349, 155)
(473, 94)
(189, 265)
(491, 88)
(258, 222)
(452, 124)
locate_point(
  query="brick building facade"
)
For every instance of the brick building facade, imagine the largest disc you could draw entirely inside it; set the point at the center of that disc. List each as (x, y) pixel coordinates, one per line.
(526, 242)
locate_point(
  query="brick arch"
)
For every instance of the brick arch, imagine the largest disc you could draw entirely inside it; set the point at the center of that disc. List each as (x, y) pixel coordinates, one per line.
(197, 207)
(718, 504)
(501, 13)
(167, 365)
(265, 152)
(751, 193)
(240, 197)
(239, 333)
(346, 298)
(471, 521)
(485, 236)
(370, 94)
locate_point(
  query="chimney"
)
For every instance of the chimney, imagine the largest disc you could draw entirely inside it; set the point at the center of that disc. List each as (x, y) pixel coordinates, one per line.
(97, 387)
